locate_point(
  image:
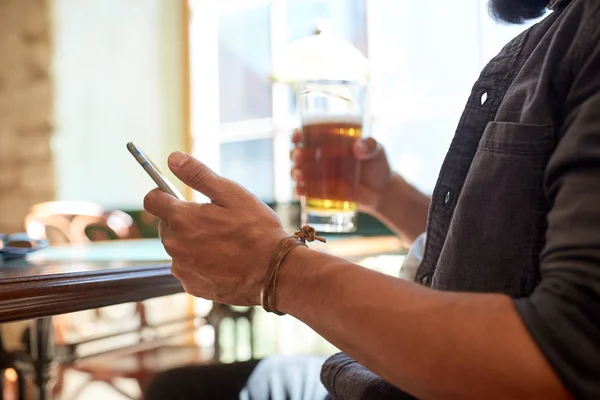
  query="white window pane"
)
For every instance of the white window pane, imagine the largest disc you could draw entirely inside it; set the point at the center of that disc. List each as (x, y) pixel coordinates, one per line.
(428, 56)
(427, 59)
(417, 149)
(245, 64)
(494, 34)
(284, 187)
(250, 163)
(347, 18)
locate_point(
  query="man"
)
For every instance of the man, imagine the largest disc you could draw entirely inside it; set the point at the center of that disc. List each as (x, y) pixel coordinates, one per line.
(507, 299)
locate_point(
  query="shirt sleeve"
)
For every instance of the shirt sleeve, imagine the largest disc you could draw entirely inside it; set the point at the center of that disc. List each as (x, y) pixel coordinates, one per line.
(413, 259)
(563, 313)
(345, 379)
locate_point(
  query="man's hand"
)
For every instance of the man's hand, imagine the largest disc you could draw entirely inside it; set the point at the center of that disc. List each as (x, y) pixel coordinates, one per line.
(381, 192)
(220, 250)
(375, 172)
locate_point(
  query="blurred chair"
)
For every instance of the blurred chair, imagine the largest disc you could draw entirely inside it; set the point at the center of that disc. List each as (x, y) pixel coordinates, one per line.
(78, 223)
(222, 312)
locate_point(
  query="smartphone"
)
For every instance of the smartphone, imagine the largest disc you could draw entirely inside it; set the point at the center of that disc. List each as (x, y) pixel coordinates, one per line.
(151, 169)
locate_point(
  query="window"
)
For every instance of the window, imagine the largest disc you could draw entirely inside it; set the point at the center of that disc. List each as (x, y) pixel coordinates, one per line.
(425, 57)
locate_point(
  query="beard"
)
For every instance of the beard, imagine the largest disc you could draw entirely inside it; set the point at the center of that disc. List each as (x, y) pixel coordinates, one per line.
(517, 11)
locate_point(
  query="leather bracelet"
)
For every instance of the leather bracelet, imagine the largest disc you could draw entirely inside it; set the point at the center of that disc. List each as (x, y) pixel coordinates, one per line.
(285, 245)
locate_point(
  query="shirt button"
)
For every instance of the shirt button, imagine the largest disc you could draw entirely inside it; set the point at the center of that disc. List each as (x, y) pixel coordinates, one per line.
(425, 280)
(448, 197)
(484, 98)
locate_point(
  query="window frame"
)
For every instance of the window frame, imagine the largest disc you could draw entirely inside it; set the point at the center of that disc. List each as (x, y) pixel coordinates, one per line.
(203, 42)
(204, 107)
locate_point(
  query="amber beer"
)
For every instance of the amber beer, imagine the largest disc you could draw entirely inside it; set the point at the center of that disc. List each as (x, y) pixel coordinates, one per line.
(330, 170)
(332, 114)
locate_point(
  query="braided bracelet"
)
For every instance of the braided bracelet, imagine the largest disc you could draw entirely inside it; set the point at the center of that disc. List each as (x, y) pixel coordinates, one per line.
(285, 245)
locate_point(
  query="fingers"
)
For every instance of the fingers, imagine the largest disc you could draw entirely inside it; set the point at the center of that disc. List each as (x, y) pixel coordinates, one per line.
(165, 235)
(367, 149)
(364, 149)
(296, 158)
(297, 137)
(199, 177)
(296, 141)
(160, 204)
(298, 179)
(296, 174)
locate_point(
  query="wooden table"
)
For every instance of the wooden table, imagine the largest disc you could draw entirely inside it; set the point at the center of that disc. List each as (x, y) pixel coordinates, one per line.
(62, 280)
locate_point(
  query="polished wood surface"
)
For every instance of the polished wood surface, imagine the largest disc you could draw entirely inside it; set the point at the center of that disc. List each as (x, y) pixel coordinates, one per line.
(61, 280)
(65, 279)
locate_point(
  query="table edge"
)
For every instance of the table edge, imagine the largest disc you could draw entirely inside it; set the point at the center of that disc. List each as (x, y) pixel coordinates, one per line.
(48, 295)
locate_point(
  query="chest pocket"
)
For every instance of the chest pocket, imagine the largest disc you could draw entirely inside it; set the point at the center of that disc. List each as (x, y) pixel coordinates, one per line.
(498, 226)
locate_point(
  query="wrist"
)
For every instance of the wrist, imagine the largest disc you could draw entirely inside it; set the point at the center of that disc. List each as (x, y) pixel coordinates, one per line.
(391, 195)
(403, 208)
(298, 271)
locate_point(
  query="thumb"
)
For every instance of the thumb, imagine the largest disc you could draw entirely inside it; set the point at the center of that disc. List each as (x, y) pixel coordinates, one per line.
(366, 149)
(198, 176)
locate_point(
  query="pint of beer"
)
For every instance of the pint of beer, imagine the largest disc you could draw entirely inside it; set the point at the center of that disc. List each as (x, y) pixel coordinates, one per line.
(331, 114)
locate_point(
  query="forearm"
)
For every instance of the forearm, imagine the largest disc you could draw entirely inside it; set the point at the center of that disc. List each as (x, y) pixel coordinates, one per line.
(431, 344)
(403, 209)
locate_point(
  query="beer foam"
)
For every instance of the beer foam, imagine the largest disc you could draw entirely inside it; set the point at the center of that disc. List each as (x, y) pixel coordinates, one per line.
(333, 119)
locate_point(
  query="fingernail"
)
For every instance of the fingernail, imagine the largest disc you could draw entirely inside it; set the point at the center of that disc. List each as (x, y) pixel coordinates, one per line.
(361, 147)
(177, 159)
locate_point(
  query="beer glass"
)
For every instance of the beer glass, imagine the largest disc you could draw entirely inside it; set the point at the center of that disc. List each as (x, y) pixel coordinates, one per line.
(331, 115)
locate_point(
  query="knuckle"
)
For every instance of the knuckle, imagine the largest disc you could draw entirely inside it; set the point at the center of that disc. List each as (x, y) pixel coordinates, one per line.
(170, 247)
(234, 189)
(175, 271)
(373, 144)
(190, 289)
(297, 156)
(176, 221)
(163, 225)
(163, 232)
(296, 174)
(198, 174)
(182, 217)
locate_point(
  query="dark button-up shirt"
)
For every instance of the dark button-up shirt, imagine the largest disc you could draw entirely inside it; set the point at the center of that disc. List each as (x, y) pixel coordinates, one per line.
(516, 208)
